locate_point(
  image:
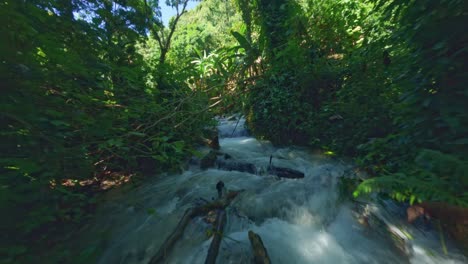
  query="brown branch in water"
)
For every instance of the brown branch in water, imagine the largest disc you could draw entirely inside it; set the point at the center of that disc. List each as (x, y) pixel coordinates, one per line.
(190, 213)
(217, 238)
(170, 241)
(259, 250)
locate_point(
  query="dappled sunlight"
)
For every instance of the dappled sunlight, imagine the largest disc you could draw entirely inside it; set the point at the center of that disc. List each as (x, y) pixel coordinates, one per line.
(104, 181)
(336, 56)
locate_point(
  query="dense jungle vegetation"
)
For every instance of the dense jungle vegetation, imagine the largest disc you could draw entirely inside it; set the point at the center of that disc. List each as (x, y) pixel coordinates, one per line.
(98, 93)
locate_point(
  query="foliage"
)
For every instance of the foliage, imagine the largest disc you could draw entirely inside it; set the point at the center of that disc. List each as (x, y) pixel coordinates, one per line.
(433, 176)
(97, 88)
(162, 35)
(206, 28)
(79, 103)
(203, 54)
(282, 45)
(430, 113)
(378, 80)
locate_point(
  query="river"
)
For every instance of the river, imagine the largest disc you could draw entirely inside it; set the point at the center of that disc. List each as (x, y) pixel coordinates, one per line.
(299, 220)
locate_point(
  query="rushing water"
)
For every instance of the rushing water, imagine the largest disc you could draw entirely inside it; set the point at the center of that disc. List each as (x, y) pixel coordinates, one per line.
(299, 220)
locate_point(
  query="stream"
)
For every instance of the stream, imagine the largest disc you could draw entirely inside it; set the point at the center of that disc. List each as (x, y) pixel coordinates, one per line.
(299, 220)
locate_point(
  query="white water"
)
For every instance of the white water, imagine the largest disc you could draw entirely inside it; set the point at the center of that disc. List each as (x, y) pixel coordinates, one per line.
(299, 220)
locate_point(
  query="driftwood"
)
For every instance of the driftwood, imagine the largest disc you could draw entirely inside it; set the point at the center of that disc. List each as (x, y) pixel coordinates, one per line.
(285, 172)
(226, 163)
(190, 213)
(259, 250)
(250, 168)
(217, 237)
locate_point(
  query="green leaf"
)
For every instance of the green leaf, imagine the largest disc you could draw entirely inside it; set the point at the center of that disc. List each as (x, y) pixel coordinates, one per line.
(242, 41)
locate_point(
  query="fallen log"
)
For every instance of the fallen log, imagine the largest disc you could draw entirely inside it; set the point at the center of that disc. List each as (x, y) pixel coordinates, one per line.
(190, 213)
(250, 168)
(285, 172)
(217, 238)
(259, 250)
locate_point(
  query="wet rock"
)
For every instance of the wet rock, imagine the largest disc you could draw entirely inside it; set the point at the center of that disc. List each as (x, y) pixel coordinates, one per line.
(372, 219)
(220, 188)
(453, 219)
(236, 166)
(285, 172)
(231, 165)
(214, 143)
(210, 138)
(209, 160)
